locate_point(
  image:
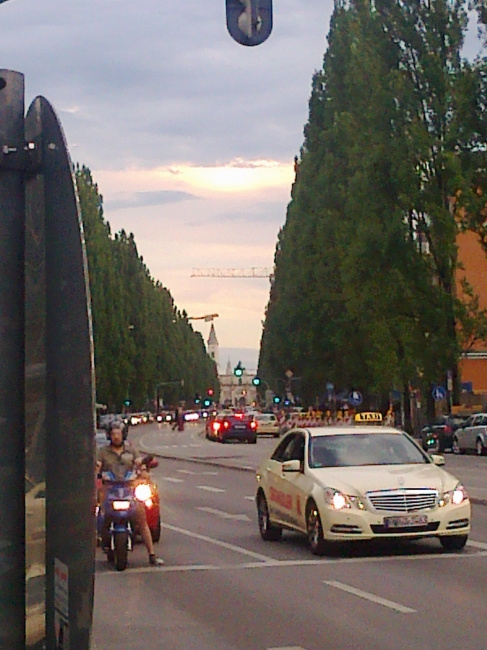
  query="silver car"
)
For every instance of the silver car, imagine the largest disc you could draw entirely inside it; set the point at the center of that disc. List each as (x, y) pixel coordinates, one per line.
(472, 436)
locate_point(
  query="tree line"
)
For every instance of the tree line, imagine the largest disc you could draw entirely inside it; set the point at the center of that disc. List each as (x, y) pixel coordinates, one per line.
(141, 338)
(392, 169)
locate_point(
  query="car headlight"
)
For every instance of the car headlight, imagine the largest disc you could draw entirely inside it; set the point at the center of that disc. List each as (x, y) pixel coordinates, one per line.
(456, 497)
(340, 501)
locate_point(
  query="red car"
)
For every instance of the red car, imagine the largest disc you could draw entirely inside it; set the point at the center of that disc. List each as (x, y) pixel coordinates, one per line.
(228, 425)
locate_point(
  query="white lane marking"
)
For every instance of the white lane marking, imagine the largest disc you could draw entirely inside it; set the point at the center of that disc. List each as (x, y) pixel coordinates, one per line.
(209, 473)
(170, 479)
(184, 568)
(368, 596)
(217, 542)
(185, 471)
(209, 488)
(250, 498)
(287, 647)
(224, 515)
(481, 545)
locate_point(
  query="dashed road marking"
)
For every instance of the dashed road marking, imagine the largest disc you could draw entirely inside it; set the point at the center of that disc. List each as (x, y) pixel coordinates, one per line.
(209, 473)
(250, 498)
(224, 515)
(217, 542)
(368, 596)
(185, 471)
(170, 479)
(210, 488)
(287, 647)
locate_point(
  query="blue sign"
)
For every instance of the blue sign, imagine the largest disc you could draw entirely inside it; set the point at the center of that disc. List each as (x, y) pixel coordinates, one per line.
(438, 393)
(355, 398)
(330, 387)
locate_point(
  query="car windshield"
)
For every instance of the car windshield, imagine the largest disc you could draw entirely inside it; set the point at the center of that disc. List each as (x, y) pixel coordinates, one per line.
(363, 449)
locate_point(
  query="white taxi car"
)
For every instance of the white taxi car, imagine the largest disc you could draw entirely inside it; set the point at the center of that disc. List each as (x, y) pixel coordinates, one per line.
(359, 482)
(267, 424)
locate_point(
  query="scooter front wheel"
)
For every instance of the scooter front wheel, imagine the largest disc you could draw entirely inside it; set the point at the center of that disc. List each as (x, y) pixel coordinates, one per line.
(121, 550)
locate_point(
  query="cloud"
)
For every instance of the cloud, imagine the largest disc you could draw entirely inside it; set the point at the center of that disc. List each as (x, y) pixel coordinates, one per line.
(144, 199)
(190, 137)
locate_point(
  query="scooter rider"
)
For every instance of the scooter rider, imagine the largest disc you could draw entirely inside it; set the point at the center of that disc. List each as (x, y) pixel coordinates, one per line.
(121, 457)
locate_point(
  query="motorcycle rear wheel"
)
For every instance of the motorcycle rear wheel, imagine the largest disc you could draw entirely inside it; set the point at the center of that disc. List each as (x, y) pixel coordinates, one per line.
(121, 551)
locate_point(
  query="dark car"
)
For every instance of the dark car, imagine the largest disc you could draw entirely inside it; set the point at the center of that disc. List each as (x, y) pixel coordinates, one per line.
(227, 426)
(438, 436)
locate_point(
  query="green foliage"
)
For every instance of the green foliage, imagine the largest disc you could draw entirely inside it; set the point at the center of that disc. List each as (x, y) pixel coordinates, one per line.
(141, 338)
(363, 292)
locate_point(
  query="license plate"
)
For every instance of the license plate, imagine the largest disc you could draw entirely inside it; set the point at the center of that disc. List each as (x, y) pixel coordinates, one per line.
(406, 521)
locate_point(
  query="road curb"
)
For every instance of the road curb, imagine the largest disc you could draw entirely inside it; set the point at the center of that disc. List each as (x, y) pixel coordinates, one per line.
(202, 461)
(214, 463)
(478, 502)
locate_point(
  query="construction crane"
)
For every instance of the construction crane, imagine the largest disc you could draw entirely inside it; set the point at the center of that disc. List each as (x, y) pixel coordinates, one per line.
(208, 318)
(253, 272)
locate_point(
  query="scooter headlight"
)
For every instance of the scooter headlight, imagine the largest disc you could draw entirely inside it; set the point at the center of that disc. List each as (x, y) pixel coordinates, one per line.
(143, 492)
(121, 505)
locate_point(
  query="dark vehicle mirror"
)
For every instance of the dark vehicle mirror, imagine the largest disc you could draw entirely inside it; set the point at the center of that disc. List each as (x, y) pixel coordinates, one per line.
(154, 463)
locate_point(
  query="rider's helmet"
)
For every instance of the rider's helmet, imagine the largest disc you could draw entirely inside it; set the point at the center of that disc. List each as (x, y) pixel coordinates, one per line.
(117, 424)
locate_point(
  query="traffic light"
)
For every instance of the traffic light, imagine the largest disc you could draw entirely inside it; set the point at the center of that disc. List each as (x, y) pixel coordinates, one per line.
(207, 402)
(256, 381)
(249, 22)
(277, 399)
(197, 398)
(127, 402)
(210, 392)
(238, 370)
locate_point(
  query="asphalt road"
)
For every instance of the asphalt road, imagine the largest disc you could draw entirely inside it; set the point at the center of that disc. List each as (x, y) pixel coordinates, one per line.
(223, 588)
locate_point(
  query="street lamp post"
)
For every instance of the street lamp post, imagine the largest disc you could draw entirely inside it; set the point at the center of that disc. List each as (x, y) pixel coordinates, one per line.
(165, 383)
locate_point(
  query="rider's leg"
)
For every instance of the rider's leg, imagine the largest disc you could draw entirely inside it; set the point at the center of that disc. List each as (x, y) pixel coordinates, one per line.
(146, 534)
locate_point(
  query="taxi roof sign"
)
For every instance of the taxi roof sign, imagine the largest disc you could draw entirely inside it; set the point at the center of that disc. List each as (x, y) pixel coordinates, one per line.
(368, 416)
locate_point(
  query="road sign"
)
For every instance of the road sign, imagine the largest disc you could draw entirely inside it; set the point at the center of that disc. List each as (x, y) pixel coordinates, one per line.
(355, 398)
(330, 387)
(289, 374)
(438, 393)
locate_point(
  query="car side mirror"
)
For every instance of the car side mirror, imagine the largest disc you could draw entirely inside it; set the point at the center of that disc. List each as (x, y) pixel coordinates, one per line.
(437, 459)
(154, 463)
(291, 466)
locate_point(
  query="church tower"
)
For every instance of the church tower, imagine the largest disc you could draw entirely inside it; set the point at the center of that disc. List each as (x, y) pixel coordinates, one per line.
(212, 346)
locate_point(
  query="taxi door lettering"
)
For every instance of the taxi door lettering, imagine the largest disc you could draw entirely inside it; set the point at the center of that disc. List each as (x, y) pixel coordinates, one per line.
(281, 498)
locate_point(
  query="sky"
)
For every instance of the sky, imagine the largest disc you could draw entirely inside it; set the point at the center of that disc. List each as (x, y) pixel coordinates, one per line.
(190, 136)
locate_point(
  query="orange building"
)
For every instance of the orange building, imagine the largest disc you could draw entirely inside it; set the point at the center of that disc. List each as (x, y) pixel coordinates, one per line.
(473, 260)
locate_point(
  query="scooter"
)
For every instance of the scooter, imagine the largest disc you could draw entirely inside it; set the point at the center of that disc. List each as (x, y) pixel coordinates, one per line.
(120, 505)
(117, 539)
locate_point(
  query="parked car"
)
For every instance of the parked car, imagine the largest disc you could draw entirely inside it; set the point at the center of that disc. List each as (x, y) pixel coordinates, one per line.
(472, 436)
(438, 436)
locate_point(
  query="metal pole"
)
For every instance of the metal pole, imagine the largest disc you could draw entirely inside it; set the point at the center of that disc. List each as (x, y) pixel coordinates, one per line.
(12, 460)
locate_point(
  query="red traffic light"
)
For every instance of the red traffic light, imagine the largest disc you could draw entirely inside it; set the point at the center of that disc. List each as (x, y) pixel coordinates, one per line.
(210, 391)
